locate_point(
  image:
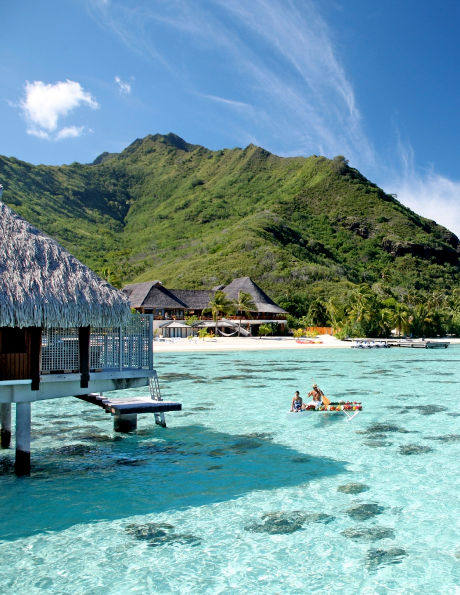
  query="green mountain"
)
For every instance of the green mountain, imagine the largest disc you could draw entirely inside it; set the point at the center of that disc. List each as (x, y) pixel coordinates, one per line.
(303, 228)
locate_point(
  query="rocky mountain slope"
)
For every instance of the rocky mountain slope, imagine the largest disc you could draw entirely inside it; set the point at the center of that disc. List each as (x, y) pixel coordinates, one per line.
(166, 209)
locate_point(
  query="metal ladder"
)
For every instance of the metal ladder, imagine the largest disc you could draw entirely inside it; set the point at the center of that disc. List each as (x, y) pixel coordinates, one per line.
(155, 395)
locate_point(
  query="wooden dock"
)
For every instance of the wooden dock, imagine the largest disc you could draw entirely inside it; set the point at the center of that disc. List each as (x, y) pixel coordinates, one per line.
(367, 343)
(125, 411)
(132, 405)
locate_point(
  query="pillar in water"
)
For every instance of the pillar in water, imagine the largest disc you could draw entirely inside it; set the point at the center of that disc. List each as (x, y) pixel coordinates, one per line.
(5, 414)
(125, 422)
(23, 418)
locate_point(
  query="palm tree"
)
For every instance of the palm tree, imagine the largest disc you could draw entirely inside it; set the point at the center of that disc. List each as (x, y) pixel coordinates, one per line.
(362, 309)
(337, 314)
(220, 304)
(244, 304)
(317, 313)
(401, 318)
(385, 320)
(110, 275)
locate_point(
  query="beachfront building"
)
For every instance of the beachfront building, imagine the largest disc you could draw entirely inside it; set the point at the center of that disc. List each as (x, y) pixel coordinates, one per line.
(63, 330)
(171, 307)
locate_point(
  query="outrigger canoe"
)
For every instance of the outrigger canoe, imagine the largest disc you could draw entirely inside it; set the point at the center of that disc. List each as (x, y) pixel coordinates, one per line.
(349, 408)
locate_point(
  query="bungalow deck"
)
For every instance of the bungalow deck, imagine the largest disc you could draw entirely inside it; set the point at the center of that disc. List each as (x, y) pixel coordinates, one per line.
(125, 411)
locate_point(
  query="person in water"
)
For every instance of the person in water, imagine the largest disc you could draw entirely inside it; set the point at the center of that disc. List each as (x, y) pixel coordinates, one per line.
(297, 403)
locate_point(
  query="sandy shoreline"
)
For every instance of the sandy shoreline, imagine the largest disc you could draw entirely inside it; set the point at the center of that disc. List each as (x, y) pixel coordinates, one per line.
(252, 344)
(244, 344)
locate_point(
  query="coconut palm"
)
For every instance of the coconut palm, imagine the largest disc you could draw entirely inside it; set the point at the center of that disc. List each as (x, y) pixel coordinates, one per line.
(337, 313)
(244, 305)
(317, 313)
(220, 304)
(362, 309)
(401, 318)
(385, 320)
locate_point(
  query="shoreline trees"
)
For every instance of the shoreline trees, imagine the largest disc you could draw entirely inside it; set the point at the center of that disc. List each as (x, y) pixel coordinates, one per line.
(367, 311)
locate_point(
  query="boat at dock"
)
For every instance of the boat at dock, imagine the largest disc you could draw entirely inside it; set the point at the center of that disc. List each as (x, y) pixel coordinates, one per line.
(370, 344)
(411, 343)
(419, 344)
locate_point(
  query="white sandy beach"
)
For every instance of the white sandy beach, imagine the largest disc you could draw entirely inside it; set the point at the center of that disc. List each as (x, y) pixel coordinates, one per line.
(246, 344)
(255, 344)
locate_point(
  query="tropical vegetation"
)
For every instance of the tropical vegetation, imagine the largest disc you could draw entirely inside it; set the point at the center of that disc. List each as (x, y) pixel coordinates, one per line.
(364, 313)
(220, 305)
(325, 242)
(244, 304)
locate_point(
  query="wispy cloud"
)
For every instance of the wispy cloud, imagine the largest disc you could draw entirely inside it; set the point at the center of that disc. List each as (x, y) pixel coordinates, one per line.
(428, 193)
(43, 105)
(294, 95)
(70, 132)
(307, 77)
(225, 101)
(297, 74)
(123, 86)
(38, 133)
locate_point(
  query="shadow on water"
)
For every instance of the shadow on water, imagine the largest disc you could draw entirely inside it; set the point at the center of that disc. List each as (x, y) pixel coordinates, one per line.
(139, 475)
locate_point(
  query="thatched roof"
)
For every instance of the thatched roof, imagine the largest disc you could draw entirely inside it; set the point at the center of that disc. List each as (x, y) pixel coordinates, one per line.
(137, 292)
(41, 284)
(152, 294)
(261, 299)
(196, 299)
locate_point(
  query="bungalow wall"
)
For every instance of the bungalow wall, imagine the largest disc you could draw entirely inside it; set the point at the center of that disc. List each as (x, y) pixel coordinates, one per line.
(20, 353)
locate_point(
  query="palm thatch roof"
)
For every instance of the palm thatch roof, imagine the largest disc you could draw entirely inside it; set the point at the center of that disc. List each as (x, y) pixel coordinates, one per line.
(152, 294)
(262, 301)
(196, 299)
(43, 285)
(137, 292)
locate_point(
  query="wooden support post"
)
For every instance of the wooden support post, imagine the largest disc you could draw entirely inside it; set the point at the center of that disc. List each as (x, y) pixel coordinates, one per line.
(84, 350)
(125, 422)
(35, 356)
(23, 417)
(6, 425)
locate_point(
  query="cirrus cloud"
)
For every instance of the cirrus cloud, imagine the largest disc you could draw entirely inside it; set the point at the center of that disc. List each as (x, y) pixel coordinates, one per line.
(123, 86)
(43, 105)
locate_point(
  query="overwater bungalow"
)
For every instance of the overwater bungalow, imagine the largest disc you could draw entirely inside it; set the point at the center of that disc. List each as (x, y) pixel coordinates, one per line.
(177, 304)
(63, 330)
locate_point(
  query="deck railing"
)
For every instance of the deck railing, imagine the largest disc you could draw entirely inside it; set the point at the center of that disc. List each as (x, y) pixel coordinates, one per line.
(111, 348)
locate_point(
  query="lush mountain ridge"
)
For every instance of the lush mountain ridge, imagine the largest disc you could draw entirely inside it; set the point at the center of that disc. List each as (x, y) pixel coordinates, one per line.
(166, 209)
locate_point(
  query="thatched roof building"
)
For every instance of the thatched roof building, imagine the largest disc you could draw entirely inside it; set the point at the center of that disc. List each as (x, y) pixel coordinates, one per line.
(196, 299)
(43, 285)
(261, 299)
(151, 295)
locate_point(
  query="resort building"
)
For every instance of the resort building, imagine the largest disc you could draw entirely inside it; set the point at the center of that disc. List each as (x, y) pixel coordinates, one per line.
(63, 330)
(171, 307)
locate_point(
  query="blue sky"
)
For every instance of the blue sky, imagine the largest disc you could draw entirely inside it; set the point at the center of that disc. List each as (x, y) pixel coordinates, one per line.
(375, 81)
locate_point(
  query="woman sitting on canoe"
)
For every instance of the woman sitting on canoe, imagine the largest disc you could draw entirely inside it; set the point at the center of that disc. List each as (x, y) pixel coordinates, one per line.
(297, 404)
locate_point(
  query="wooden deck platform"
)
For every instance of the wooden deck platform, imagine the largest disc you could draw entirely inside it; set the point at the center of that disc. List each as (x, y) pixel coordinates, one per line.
(125, 411)
(132, 405)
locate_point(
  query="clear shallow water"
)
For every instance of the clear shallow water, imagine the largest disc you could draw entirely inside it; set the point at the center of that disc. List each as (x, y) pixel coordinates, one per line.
(182, 509)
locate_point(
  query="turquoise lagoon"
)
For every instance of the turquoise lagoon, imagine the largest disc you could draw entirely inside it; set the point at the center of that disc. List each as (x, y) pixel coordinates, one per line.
(237, 495)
